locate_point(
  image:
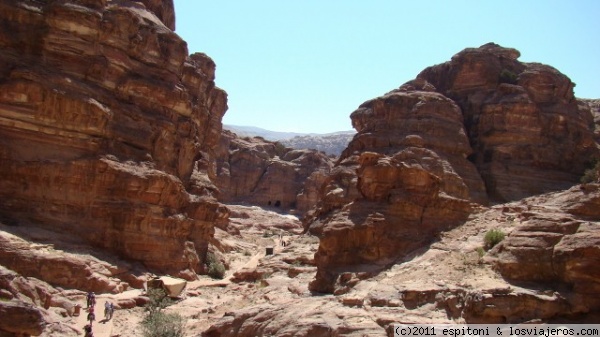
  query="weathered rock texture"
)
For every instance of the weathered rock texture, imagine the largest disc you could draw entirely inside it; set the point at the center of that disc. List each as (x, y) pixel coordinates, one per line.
(558, 242)
(528, 132)
(402, 179)
(267, 173)
(452, 281)
(106, 126)
(594, 105)
(20, 319)
(481, 127)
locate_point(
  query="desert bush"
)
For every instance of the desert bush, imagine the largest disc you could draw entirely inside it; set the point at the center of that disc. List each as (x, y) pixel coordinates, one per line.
(158, 300)
(216, 269)
(480, 251)
(157, 323)
(492, 238)
(507, 76)
(161, 324)
(592, 174)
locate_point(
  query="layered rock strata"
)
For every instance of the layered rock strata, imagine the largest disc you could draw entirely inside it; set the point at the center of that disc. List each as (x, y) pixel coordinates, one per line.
(529, 133)
(452, 281)
(594, 105)
(260, 172)
(404, 178)
(557, 243)
(106, 126)
(481, 127)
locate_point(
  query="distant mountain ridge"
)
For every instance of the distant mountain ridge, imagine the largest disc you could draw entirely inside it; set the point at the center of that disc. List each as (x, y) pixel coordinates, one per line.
(331, 143)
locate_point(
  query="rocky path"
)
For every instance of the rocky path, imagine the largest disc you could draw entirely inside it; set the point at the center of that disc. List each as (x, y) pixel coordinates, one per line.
(250, 264)
(101, 327)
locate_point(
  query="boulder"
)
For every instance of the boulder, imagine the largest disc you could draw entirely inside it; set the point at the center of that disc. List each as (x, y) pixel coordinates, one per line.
(20, 318)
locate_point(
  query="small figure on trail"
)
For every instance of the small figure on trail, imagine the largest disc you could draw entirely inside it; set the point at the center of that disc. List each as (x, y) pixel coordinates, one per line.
(88, 331)
(111, 310)
(91, 316)
(106, 309)
(91, 299)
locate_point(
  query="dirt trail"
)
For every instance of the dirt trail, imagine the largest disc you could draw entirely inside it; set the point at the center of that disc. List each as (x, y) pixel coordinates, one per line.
(250, 264)
(101, 327)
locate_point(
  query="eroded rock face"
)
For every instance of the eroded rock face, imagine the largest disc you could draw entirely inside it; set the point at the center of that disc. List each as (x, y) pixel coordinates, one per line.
(558, 245)
(403, 179)
(594, 105)
(528, 132)
(481, 127)
(163, 9)
(21, 319)
(266, 173)
(106, 126)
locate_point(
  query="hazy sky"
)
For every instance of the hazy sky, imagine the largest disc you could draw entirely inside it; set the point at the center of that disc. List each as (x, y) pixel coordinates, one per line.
(305, 65)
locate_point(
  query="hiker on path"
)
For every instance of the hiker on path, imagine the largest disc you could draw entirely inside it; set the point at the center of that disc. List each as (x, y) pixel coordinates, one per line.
(106, 309)
(91, 299)
(91, 316)
(88, 331)
(111, 310)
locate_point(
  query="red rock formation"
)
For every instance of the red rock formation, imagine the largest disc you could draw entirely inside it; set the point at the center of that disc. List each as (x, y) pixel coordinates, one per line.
(558, 242)
(528, 133)
(20, 319)
(266, 173)
(594, 105)
(403, 179)
(102, 118)
(409, 172)
(163, 9)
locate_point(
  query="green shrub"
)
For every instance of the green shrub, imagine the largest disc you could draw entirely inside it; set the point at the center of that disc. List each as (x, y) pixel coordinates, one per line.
(592, 174)
(216, 269)
(507, 76)
(492, 238)
(161, 324)
(158, 300)
(157, 323)
(480, 251)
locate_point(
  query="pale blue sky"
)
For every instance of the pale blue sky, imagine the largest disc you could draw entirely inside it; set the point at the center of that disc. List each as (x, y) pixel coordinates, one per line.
(305, 65)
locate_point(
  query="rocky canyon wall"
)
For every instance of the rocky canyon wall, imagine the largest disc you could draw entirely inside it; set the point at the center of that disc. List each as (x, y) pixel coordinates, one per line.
(265, 173)
(480, 128)
(530, 135)
(107, 126)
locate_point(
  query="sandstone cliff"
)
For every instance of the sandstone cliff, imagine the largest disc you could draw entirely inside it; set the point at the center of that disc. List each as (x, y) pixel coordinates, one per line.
(107, 126)
(594, 105)
(482, 127)
(528, 132)
(402, 179)
(260, 172)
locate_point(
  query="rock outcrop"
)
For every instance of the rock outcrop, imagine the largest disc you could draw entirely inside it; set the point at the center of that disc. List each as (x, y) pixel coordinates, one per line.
(268, 174)
(107, 128)
(481, 127)
(558, 242)
(594, 105)
(404, 178)
(452, 281)
(20, 319)
(528, 132)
